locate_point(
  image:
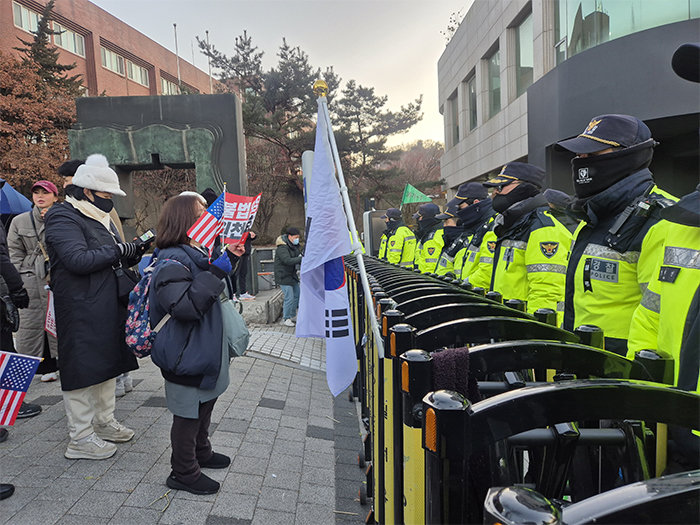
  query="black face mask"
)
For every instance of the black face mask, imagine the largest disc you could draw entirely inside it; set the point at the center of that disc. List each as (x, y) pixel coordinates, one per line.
(593, 174)
(450, 233)
(105, 205)
(521, 192)
(469, 215)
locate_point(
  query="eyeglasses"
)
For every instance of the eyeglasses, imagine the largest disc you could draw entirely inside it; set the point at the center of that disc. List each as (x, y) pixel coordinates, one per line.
(501, 187)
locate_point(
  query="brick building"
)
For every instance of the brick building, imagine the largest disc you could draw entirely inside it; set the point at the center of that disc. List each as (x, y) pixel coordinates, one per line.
(113, 58)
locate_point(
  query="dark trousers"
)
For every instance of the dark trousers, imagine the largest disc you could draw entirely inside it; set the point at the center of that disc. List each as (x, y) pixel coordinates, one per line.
(190, 441)
(242, 274)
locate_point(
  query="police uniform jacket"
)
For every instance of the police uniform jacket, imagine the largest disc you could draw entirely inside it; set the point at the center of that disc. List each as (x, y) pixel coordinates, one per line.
(429, 249)
(530, 254)
(608, 272)
(662, 322)
(398, 245)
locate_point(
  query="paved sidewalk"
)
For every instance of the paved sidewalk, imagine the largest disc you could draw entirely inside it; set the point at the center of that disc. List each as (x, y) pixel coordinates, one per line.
(294, 450)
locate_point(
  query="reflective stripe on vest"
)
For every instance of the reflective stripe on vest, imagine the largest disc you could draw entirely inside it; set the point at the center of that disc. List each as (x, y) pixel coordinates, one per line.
(597, 250)
(651, 301)
(683, 257)
(554, 268)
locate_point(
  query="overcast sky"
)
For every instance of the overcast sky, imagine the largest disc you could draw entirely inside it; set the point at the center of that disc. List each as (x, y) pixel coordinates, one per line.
(391, 45)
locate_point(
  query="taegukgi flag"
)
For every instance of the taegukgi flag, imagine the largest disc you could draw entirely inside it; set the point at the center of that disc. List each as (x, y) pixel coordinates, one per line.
(324, 308)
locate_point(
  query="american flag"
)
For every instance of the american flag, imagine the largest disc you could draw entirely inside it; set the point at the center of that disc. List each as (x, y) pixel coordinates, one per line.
(209, 225)
(16, 374)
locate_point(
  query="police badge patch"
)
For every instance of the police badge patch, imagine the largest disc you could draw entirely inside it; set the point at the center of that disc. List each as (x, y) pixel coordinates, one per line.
(549, 249)
(392, 243)
(491, 245)
(431, 251)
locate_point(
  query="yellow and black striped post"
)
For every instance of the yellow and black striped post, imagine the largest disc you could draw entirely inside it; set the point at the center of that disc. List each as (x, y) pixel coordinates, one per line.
(416, 382)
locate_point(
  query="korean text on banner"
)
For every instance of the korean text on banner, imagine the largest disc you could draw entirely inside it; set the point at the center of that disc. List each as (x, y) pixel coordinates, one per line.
(16, 374)
(239, 216)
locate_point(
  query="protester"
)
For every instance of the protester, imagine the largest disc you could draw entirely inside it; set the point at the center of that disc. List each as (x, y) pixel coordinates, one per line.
(27, 248)
(12, 290)
(287, 257)
(91, 285)
(187, 286)
(241, 274)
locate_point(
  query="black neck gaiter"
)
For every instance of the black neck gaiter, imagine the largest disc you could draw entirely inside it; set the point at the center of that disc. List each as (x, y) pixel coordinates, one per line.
(593, 174)
(521, 192)
(105, 205)
(450, 233)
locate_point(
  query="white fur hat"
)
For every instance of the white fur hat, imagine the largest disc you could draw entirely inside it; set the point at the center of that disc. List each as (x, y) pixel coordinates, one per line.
(96, 175)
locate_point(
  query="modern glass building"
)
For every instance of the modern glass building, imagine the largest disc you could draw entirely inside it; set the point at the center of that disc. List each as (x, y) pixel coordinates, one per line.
(518, 76)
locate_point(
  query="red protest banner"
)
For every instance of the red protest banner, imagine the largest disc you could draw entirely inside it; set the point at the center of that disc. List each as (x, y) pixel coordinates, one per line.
(239, 215)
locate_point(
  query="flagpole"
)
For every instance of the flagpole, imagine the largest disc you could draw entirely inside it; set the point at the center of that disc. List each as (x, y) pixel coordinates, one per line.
(320, 89)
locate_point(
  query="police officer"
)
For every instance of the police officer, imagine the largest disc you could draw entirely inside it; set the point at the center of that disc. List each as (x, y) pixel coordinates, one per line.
(429, 235)
(397, 244)
(476, 214)
(455, 240)
(615, 252)
(532, 246)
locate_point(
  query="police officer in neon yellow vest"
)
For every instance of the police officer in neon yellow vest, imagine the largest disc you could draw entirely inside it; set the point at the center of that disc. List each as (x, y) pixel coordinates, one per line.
(397, 244)
(454, 237)
(429, 236)
(532, 247)
(475, 214)
(618, 244)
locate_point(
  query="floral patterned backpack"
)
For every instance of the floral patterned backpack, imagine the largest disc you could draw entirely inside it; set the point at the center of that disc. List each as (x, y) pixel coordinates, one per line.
(139, 334)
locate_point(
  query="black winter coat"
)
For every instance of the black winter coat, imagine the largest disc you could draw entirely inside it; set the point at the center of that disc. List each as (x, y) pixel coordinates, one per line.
(188, 348)
(287, 256)
(89, 316)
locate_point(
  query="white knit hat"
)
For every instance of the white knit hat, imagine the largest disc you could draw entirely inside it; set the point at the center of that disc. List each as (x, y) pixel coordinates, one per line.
(96, 175)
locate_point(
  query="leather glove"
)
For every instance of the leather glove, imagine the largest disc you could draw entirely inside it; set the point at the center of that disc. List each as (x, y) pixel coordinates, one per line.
(20, 298)
(221, 267)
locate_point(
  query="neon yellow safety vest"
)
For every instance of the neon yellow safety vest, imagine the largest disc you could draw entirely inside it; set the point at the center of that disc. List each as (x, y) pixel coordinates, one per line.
(604, 285)
(468, 260)
(659, 320)
(428, 252)
(399, 248)
(530, 265)
(453, 263)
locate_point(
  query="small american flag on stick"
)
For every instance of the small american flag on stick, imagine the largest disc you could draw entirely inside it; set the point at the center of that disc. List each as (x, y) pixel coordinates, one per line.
(16, 374)
(209, 226)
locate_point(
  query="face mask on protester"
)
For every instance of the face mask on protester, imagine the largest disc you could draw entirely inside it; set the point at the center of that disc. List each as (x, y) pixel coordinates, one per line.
(105, 205)
(295, 241)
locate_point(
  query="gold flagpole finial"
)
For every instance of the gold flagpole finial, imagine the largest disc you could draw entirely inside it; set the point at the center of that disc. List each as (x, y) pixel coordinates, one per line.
(320, 88)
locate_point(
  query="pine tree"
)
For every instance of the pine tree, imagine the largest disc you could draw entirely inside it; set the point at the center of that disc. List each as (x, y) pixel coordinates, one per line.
(40, 52)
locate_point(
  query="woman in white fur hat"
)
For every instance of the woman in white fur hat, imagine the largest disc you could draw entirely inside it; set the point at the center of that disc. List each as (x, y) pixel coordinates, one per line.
(87, 251)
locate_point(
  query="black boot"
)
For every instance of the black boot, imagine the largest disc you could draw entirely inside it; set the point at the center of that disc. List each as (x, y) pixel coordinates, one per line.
(6, 490)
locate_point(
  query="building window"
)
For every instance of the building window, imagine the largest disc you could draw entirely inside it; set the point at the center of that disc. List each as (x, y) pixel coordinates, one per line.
(168, 88)
(494, 82)
(524, 55)
(24, 18)
(68, 40)
(582, 24)
(471, 102)
(454, 119)
(137, 73)
(112, 61)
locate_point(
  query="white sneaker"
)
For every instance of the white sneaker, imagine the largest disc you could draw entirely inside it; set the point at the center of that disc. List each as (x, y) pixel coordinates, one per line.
(128, 382)
(120, 390)
(246, 297)
(51, 376)
(91, 447)
(288, 322)
(113, 431)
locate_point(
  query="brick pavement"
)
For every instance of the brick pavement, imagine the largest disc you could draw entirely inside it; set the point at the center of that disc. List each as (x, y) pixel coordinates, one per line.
(294, 451)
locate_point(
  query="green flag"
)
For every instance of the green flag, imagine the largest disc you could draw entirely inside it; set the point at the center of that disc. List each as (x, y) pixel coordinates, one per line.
(411, 194)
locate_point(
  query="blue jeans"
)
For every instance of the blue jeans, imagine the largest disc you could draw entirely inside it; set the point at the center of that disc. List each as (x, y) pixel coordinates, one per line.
(291, 300)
